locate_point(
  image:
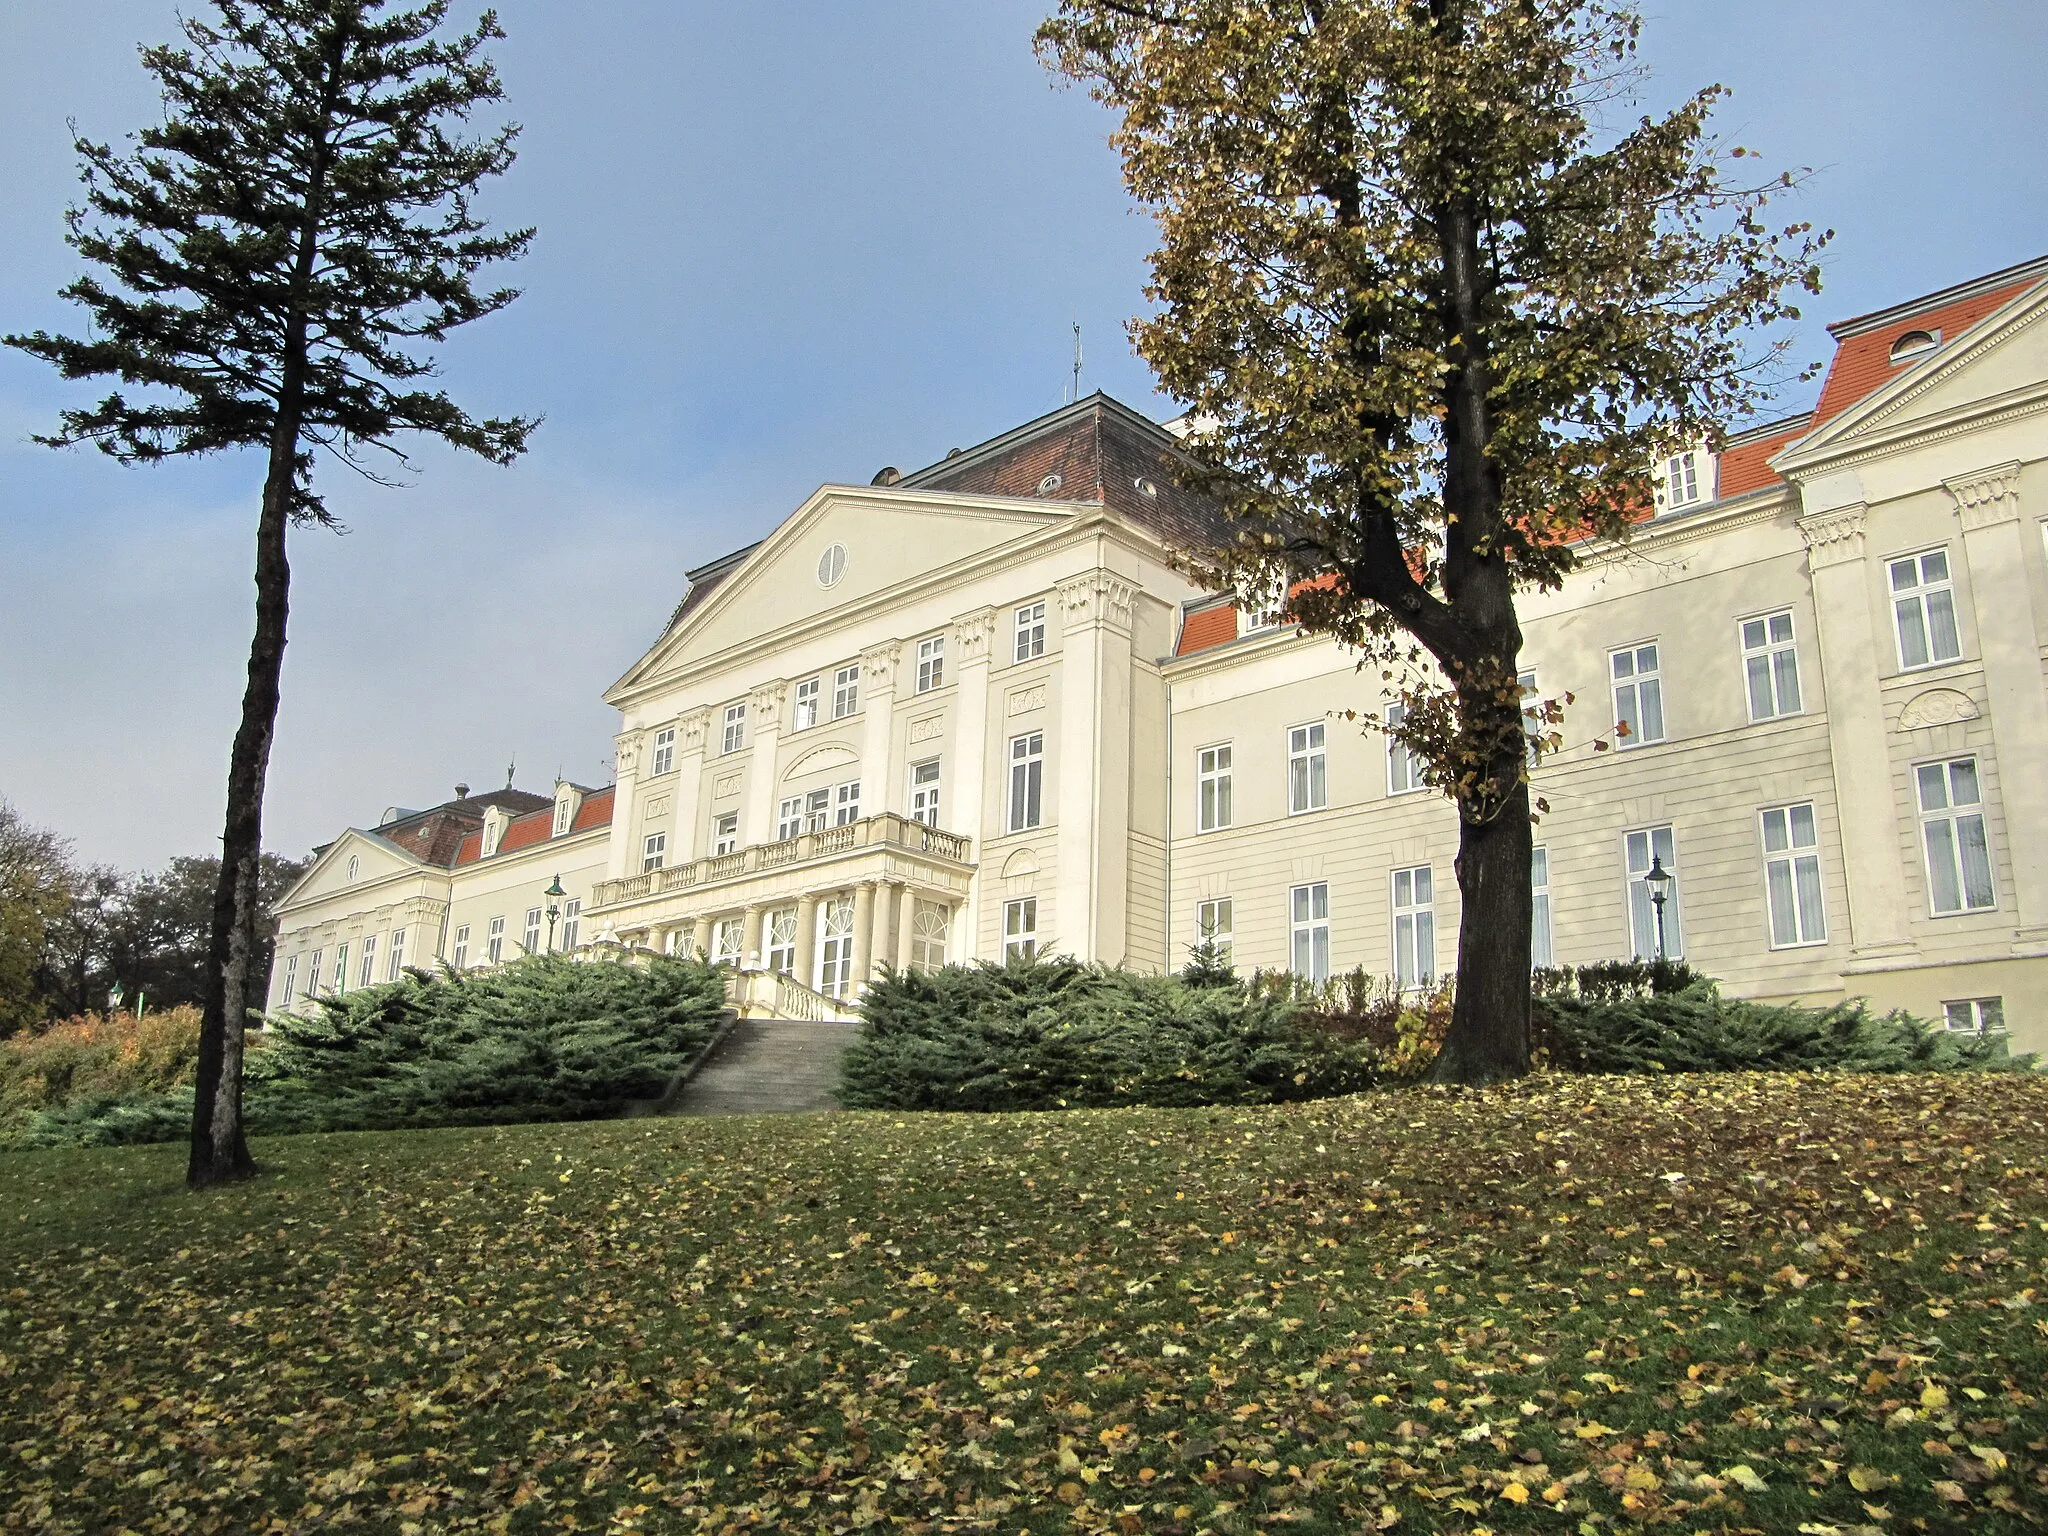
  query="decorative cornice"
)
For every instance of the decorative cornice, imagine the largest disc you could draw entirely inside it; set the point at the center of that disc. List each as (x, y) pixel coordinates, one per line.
(971, 635)
(1988, 497)
(878, 663)
(1100, 597)
(1833, 538)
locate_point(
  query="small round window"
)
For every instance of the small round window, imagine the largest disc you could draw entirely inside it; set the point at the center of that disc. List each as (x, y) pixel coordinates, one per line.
(354, 864)
(832, 566)
(1049, 484)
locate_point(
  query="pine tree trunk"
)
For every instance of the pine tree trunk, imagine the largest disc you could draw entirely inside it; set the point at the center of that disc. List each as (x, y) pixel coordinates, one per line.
(1489, 1036)
(220, 1150)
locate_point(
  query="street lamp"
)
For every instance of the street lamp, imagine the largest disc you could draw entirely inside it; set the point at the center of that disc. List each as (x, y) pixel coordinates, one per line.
(114, 998)
(554, 894)
(1659, 881)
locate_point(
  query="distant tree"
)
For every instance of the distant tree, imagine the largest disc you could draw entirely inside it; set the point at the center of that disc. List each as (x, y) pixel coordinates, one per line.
(1443, 320)
(274, 253)
(77, 967)
(36, 881)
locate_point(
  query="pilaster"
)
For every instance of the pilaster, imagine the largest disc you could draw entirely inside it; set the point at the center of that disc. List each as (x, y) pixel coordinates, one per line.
(764, 734)
(625, 775)
(878, 667)
(1093, 765)
(863, 933)
(966, 804)
(687, 836)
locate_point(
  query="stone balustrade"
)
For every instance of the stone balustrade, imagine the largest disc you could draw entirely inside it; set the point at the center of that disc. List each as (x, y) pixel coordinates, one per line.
(885, 830)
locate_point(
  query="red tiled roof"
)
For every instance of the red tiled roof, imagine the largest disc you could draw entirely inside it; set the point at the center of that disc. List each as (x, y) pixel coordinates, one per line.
(472, 848)
(596, 810)
(525, 831)
(1207, 627)
(1745, 463)
(1863, 351)
(537, 827)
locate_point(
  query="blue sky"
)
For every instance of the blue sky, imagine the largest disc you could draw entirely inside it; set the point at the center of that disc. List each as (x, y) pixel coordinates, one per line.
(780, 244)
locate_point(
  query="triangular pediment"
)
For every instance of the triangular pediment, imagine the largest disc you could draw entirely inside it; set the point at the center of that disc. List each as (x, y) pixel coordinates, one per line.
(374, 858)
(843, 548)
(2000, 362)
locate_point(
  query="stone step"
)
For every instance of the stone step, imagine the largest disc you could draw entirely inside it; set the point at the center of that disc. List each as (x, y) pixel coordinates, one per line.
(768, 1067)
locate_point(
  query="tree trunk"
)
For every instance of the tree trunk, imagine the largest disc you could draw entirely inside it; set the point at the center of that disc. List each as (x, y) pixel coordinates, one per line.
(1489, 1037)
(220, 1150)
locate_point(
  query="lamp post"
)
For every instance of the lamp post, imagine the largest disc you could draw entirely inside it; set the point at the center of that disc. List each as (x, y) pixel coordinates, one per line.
(1659, 881)
(554, 894)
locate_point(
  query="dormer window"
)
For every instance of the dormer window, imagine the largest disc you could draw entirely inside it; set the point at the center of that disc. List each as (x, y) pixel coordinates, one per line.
(1263, 604)
(495, 818)
(1686, 480)
(1915, 344)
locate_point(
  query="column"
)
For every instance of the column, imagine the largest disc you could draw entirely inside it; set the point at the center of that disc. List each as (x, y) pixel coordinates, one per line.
(1851, 663)
(1093, 764)
(750, 942)
(619, 858)
(906, 921)
(967, 806)
(657, 937)
(700, 936)
(2008, 638)
(686, 839)
(764, 733)
(807, 940)
(879, 790)
(863, 933)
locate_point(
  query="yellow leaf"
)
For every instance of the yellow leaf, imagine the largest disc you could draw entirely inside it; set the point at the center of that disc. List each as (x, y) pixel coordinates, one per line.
(1933, 1398)
(1990, 1455)
(1555, 1493)
(1744, 1477)
(1868, 1479)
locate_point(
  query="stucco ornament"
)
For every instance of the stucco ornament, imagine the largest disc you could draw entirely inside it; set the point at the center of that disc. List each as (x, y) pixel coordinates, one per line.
(1833, 538)
(972, 633)
(1937, 706)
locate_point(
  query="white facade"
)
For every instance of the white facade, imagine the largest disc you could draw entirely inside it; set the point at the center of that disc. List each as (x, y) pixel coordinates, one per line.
(978, 709)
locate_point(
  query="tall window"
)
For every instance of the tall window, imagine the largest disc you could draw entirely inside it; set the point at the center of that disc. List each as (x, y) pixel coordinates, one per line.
(1792, 876)
(459, 956)
(789, 818)
(924, 792)
(845, 691)
(725, 834)
(782, 941)
(1975, 1015)
(396, 964)
(562, 809)
(1771, 663)
(728, 940)
(1308, 787)
(1952, 828)
(1541, 955)
(930, 922)
(572, 922)
(1213, 928)
(1924, 609)
(1532, 719)
(1020, 929)
(368, 974)
(1030, 632)
(1308, 931)
(291, 981)
(835, 946)
(530, 940)
(1638, 695)
(313, 975)
(1027, 779)
(653, 851)
(1414, 927)
(931, 663)
(846, 803)
(1647, 848)
(340, 969)
(735, 727)
(804, 713)
(494, 941)
(1212, 777)
(1404, 768)
(665, 750)
(1682, 479)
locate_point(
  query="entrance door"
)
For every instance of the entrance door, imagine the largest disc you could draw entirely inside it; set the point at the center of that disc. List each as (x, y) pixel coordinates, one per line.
(835, 946)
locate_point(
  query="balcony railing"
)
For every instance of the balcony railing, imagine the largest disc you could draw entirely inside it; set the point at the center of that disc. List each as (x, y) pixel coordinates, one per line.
(885, 830)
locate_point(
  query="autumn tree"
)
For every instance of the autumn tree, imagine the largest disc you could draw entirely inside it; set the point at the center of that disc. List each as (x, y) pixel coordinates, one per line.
(37, 881)
(1438, 316)
(272, 258)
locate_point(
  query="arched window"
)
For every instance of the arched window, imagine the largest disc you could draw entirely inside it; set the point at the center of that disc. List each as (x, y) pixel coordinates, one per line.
(1915, 344)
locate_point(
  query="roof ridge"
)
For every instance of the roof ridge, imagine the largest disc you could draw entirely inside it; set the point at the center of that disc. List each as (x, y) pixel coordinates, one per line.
(1857, 325)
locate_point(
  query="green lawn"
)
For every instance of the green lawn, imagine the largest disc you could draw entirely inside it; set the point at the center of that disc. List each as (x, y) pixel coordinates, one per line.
(1762, 1304)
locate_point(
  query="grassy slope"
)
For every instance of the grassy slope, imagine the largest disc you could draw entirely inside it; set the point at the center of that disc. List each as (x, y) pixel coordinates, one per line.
(1439, 1312)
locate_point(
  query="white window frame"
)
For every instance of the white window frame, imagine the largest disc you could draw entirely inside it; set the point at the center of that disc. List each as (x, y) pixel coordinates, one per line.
(1020, 929)
(1950, 824)
(1542, 937)
(931, 924)
(1308, 768)
(355, 866)
(340, 969)
(725, 834)
(313, 974)
(1213, 789)
(458, 956)
(1931, 601)
(735, 736)
(931, 663)
(562, 809)
(846, 803)
(846, 691)
(1659, 841)
(366, 972)
(494, 941)
(833, 968)
(664, 751)
(1413, 928)
(924, 792)
(1029, 643)
(1404, 768)
(789, 818)
(1686, 479)
(1795, 906)
(291, 979)
(1638, 694)
(1770, 665)
(572, 922)
(781, 925)
(1974, 1015)
(1026, 807)
(1308, 931)
(530, 938)
(653, 852)
(729, 941)
(394, 964)
(803, 712)
(1526, 682)
(1215, 920)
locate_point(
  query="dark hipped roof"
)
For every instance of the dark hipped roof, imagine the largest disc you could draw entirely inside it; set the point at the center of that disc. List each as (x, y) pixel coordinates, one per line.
(435, 836)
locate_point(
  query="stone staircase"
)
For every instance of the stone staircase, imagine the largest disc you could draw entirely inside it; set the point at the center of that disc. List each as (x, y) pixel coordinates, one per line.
(767, 1067)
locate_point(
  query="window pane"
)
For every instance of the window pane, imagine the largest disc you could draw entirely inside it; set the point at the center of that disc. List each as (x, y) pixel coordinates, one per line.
(1753, 634)
(1786, 664)
(1319, 953)
(1404, 888)
(1945, 891)
(1775, 840)
(1319, 901)
(1624, 664)
(1300, 900)
(1652, 703)
(1933, 787)
(1784, 909)
(1976, 861)
(1539, 937)
(1425, 947)
(1638, 852)
(1962, 779)
(1539, 866)
(1905, 575)
(1934, 566)
(1630, 728)
(1943, 642)
(1912, 633)
(1781, 627)
(1760, 705)
(1802, 827)
(1318, 793)
(1813, 925)
(1299, 962)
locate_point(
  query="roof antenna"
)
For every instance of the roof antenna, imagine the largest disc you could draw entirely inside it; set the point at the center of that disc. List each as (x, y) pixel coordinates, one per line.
(1077, 364)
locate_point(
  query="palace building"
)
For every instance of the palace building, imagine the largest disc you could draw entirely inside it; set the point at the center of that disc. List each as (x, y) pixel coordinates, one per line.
(979, 710)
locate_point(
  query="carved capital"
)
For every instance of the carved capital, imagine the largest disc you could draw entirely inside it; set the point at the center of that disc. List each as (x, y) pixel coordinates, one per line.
(1988, 497)
(972, 633)
(1833, 538)
(764, 704)
(692, 727)
(878, 663)
(1100, 597)
(625, 753)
